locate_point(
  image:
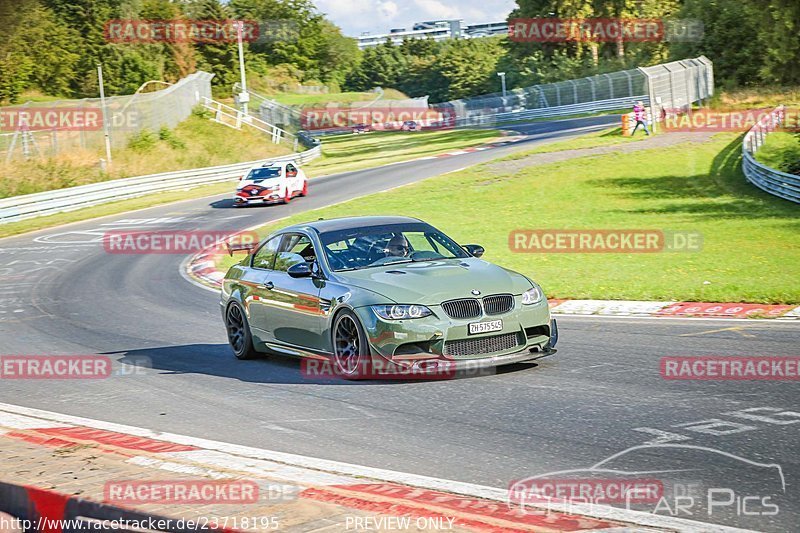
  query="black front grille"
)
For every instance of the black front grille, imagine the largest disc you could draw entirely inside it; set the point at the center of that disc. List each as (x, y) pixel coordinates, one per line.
(464, 308)
(498, 304)
(481, 345)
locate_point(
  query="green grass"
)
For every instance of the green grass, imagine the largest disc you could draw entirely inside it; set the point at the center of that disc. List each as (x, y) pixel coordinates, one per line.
(781, 151)
(353, 152)
(342, 98)
(751, 249)
(577, 115)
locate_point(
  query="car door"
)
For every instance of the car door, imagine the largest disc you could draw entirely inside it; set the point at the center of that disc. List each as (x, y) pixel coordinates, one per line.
(293, 178)
(259, 285)
(293, 311)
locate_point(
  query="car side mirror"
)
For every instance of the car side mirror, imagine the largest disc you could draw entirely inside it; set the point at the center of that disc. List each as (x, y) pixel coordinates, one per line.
(475, 250)
(300, 270)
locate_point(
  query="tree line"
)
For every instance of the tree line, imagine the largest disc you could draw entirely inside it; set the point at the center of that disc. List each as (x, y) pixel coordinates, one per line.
(53, 46)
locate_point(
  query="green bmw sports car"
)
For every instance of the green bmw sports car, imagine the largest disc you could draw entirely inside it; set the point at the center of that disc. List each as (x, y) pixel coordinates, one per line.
(382, 296)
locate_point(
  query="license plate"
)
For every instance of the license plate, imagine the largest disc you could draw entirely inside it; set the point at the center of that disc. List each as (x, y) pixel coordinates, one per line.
(485, 327)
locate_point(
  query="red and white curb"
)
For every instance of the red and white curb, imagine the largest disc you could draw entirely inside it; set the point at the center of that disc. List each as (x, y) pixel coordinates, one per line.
(478, 507)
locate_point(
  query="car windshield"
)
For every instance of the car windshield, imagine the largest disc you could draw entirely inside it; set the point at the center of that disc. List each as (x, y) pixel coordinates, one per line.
(373, 246)
(264, 173)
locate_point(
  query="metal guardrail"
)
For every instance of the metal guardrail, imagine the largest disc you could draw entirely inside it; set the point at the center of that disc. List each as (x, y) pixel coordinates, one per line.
(556, 111)
(781, 184)
(47, 203)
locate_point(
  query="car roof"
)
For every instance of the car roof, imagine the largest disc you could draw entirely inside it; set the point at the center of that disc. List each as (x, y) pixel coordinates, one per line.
(345, 223)
(273, 163)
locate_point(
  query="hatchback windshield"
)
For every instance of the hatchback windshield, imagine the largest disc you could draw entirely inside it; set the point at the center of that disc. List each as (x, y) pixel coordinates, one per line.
(264, 173)
(373, 246)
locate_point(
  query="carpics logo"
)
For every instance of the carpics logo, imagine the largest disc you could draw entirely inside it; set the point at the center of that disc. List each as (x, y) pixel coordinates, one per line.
(175, 242)
(623, 241)
(181, 492)
(54, 367)
(51, 118)
(180, 31)
(535, 491)
(378, 118)
(710, 368)
(555, 30)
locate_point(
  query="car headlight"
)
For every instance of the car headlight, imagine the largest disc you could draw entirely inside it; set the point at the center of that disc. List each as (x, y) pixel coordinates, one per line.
(532, 296)
(400, 312)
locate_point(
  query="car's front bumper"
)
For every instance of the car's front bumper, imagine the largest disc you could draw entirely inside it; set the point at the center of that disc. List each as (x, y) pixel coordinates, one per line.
(527, 333)
(270, 198)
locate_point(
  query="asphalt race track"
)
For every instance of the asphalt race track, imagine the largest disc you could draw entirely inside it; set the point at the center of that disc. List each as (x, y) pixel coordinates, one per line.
(600, 395)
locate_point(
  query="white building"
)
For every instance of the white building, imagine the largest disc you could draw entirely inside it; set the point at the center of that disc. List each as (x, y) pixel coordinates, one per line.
(438, 30)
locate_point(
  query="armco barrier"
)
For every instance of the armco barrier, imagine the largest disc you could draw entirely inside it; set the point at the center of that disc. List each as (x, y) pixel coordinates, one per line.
(781, 184)
(48, 511)
(47, 203)
(478, 119)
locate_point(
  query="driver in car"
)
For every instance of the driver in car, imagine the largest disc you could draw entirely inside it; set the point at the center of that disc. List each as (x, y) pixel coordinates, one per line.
(397, 247)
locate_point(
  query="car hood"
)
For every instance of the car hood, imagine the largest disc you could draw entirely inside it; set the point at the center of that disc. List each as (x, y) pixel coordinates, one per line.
(433, 282)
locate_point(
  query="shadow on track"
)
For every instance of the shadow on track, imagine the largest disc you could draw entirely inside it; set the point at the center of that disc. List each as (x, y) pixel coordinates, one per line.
(217, 360)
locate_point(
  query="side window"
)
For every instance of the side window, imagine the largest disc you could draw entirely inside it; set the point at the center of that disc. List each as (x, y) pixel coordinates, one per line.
(265, 256)
(294, 249)
(291, 170)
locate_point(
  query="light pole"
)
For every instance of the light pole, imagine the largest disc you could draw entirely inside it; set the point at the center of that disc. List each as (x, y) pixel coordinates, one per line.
(503, 80)
(105, 113)
(244, 97)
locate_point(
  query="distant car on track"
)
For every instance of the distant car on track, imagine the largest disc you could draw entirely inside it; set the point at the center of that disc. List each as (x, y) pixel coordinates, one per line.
(361, 128)
(273, 182)
(410, 125)
(382, 292)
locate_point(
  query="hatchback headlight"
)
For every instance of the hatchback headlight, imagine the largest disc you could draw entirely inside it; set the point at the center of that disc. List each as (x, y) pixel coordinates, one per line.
(400, 312)
(532, 295)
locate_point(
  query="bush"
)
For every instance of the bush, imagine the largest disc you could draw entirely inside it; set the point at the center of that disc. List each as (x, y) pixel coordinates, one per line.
(144, 141)
(168, 136)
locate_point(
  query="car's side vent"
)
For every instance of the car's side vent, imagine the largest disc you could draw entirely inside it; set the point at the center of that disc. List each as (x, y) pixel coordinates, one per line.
(462, 308)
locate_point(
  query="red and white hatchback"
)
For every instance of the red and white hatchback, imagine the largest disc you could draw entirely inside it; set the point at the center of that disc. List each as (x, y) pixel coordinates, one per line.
(272, 182)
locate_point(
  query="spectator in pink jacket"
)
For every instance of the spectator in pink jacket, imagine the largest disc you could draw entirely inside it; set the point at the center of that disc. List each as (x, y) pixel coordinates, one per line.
(640, 116)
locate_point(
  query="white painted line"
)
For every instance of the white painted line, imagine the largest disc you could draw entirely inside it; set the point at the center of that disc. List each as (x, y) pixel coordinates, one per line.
(247, 455)
(15, 421)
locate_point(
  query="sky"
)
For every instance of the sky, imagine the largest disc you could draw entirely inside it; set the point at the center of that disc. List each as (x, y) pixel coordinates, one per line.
(379, 16)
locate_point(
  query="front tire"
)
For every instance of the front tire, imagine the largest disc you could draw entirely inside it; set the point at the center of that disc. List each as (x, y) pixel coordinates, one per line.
(351, 352)
(239, 336)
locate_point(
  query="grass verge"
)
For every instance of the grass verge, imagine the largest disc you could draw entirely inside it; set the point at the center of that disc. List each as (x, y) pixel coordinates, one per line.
(781, 151)
(342, 98)
(355, 152)
(751, 249)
